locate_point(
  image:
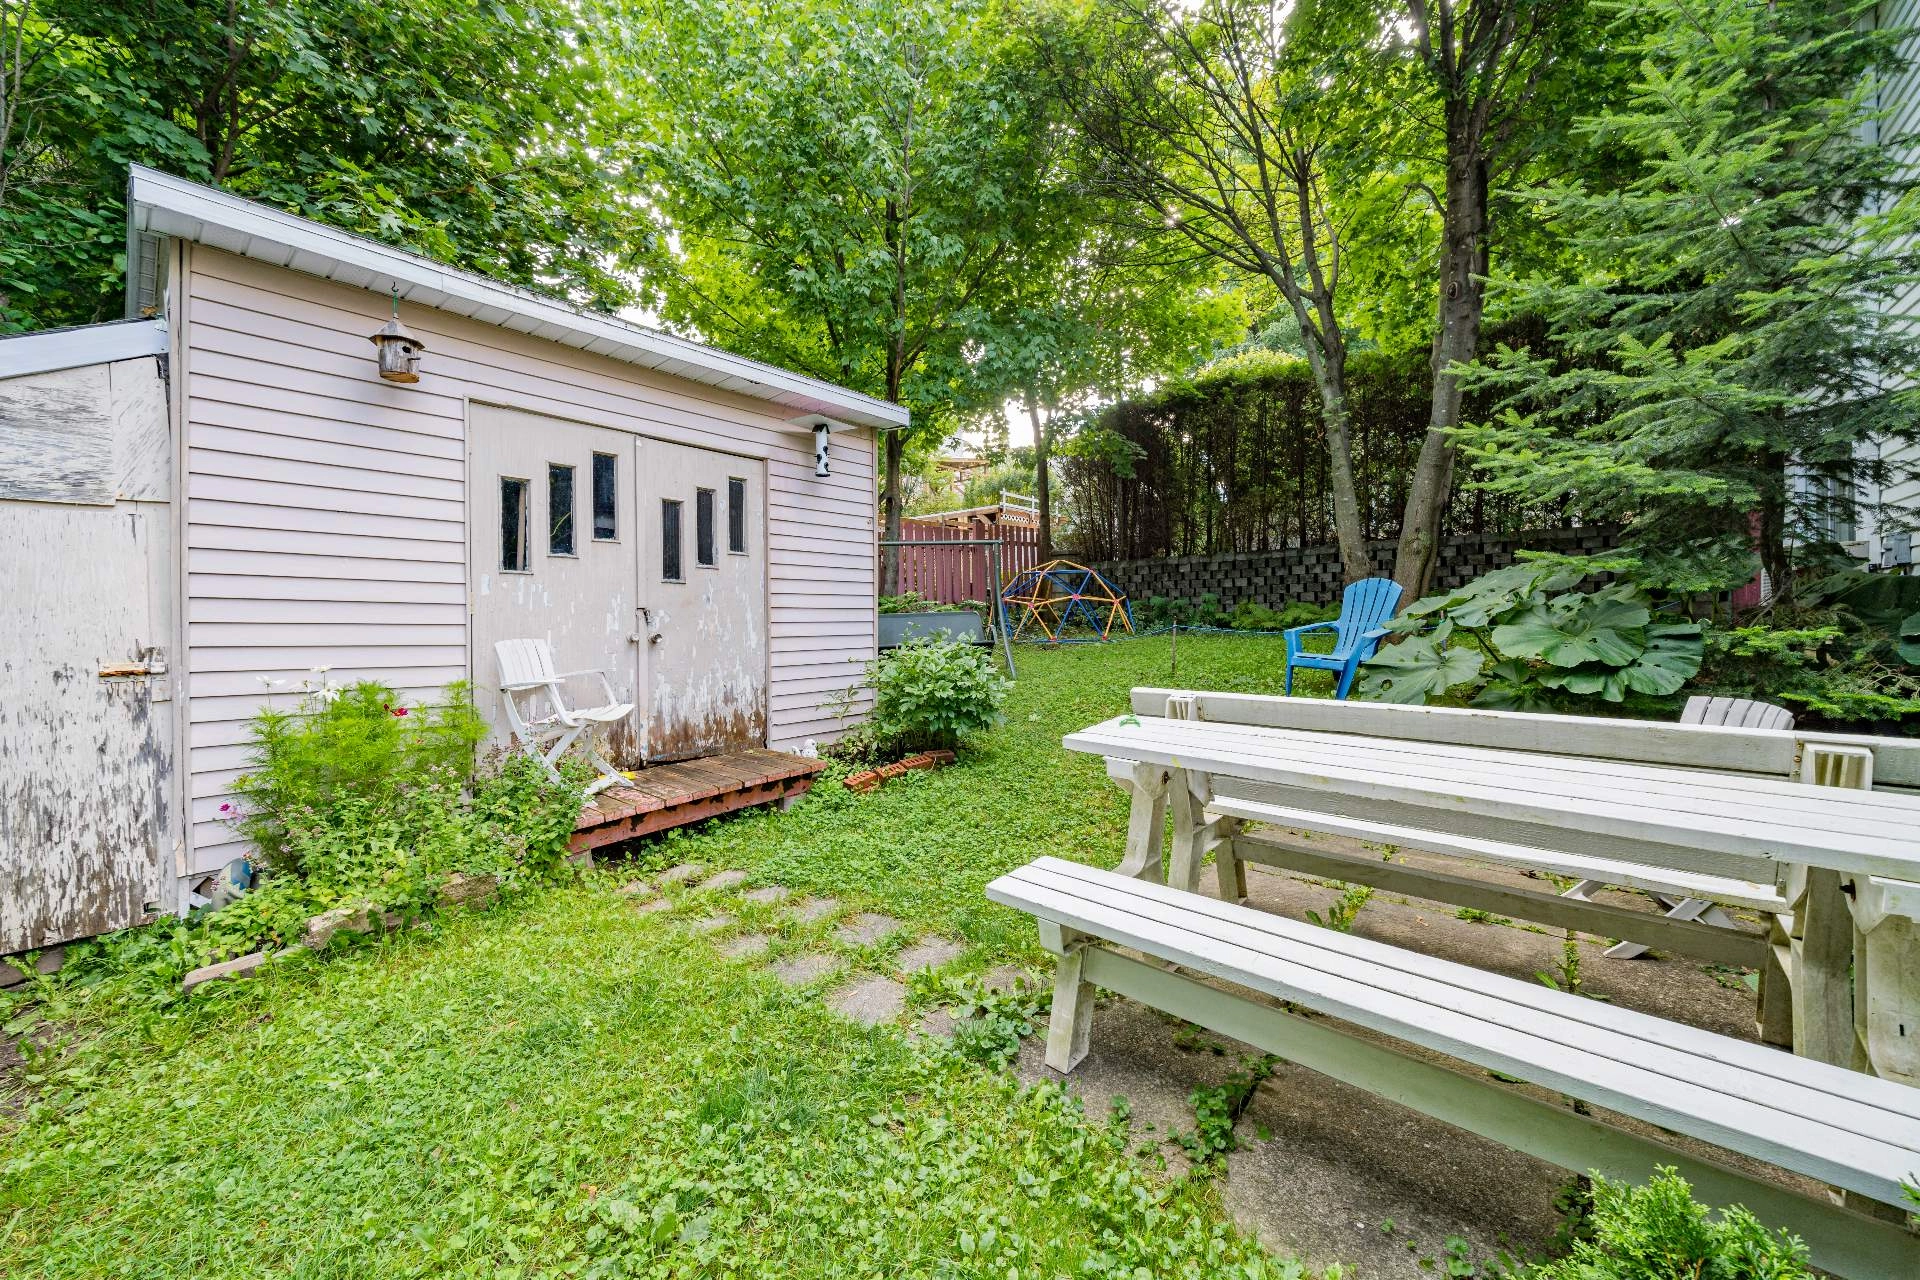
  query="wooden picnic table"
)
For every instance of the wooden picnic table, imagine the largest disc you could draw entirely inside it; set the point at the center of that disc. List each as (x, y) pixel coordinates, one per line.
(1841, 973)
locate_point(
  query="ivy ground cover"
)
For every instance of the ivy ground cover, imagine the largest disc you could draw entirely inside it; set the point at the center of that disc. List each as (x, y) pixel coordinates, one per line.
(570, 1087)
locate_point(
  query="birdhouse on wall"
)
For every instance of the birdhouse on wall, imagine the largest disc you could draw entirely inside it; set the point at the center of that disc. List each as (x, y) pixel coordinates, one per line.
(399, 350)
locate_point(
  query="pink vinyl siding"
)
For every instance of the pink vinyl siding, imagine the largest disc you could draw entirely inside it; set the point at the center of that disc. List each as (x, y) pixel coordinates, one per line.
(325, 521)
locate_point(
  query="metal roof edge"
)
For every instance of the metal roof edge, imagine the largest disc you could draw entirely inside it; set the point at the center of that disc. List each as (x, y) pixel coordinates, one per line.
(162, 203)
(50, 350)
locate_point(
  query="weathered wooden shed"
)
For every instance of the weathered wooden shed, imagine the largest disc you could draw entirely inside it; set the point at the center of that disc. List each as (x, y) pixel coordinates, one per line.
(213, 500)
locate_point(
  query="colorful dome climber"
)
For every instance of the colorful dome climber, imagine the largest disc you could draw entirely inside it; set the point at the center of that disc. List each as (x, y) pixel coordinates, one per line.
(1060, 596)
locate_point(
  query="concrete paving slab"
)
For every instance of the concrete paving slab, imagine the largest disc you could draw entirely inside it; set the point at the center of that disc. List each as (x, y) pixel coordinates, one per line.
(722, 880)
(752, 946)
(636, 889)
(650, 907)
(767, 895)
(1008, 976)
(865, 928)
(870, 1001)
(929, 953)
(808, 910)
(938, 1023)
(798, 971)
(685, 871)
(712, 924)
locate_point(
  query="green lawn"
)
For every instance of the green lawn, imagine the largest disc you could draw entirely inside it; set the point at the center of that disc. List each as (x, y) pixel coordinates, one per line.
(569, 1087)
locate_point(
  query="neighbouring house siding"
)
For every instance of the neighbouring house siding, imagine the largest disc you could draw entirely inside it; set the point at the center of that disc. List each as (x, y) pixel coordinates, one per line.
(1900, 95)
(326, 509)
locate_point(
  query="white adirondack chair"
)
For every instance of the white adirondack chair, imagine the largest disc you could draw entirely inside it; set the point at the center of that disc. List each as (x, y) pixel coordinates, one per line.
(1740, 713)
(526, 668)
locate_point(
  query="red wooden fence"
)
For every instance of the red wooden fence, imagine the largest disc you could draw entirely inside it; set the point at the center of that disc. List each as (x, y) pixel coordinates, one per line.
(954, 575)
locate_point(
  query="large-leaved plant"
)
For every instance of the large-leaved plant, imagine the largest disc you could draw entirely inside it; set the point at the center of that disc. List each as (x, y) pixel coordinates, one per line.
(1522, 639)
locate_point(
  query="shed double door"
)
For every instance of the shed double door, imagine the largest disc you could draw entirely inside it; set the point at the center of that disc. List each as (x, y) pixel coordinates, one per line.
(636, 557)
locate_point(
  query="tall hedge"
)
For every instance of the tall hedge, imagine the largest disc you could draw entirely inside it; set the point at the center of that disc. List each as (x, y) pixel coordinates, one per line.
(1235, 459)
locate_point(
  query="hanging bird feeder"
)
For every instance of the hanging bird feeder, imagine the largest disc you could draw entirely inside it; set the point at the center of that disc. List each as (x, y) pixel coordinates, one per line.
(399, 349)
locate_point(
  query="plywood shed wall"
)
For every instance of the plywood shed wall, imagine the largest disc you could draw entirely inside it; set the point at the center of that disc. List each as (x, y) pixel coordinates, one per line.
(89, 828)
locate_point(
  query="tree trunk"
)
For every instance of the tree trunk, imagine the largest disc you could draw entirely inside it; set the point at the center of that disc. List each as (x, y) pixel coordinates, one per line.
(1773, 531)
(1330, 375)
(1354, 560)
(1042, 481)
(895, 446)
(1463, 265)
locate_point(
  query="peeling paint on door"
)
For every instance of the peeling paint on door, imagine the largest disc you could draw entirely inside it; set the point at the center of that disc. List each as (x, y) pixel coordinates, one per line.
(87, 778)
(581, 602)
(707, 669)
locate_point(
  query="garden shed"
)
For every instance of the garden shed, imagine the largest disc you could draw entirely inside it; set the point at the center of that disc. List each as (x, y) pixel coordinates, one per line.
(233, 495)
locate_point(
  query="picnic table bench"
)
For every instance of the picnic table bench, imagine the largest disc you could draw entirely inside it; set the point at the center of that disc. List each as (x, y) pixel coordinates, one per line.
(1837, 1126)
(1819, 832)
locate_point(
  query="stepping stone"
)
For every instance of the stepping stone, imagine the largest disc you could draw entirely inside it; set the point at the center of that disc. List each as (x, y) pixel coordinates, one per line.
(724, 880)
(648, 908)
(802, 969)
(754, 944)
(815, 908)
(938, 1023)
(930, 954)
(870, 1001)
(712, 924)
(867, 927)
(636, 889)
(685, 871)
(767, 896)
(1005, 978)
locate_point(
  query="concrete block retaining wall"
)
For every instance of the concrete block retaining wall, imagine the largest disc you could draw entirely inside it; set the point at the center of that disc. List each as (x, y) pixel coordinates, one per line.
(1312, 574)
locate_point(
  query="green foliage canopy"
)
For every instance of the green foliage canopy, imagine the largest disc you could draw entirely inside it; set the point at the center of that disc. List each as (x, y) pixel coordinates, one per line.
(470, 133)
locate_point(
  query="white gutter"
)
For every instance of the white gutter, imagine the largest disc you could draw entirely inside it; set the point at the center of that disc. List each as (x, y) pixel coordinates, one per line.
(52, 349)
(162, 204)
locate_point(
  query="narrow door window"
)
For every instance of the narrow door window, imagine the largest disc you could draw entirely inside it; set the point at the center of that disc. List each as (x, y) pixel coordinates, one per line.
(703, 543)
(606, 499)
(559, 509)
(737, 516)
(516, 522)
(670, 540)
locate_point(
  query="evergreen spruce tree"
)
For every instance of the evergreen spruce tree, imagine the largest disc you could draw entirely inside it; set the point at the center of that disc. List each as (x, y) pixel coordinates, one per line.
(1736, 324)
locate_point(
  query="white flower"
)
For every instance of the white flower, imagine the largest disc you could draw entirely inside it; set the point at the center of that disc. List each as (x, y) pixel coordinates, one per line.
(328, 695)
(271, 683)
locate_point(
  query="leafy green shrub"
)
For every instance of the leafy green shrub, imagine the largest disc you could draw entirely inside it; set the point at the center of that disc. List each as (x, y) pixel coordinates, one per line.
(930, 693)
(1248, 615)
(1549, 647)
(360, 744)
(914, 602)
(394, 850)
(1659, 1232)
(1846, 653)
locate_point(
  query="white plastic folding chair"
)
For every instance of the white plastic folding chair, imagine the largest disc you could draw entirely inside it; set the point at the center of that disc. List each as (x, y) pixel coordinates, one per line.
(526, 667)
(1739, 713)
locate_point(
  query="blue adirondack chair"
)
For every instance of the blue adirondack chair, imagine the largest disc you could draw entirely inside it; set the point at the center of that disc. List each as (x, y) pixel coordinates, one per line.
(1365, 610)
